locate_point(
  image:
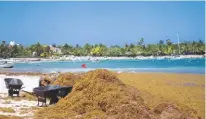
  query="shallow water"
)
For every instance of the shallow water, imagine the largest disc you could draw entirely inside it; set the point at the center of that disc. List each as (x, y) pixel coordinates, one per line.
(195, 66)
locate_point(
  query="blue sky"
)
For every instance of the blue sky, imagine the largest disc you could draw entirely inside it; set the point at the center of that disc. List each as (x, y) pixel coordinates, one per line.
(100, 22)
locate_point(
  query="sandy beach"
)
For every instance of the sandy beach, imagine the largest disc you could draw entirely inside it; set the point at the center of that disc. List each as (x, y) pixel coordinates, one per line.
(102, 60)
(91, 58)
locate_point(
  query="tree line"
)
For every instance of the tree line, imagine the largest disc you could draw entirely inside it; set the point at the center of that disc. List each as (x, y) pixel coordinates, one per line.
(162, 48)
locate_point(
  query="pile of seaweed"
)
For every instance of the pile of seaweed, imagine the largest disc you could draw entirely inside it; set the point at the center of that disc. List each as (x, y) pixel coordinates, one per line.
(45, 80)
(101, 95)
(62, 79)
(66, 79)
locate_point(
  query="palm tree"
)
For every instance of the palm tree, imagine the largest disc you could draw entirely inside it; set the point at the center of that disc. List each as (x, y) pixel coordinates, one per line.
(140, 43)
(169, 46)
(127, 48)
(200, 47)
(131, 46)
(194, 47)
(67, 49)
(160, 45)
(98, 50)
(13, 51)
(114, 51)
(54, 45)
(200, 42)
(38, 48)
(184, 48)
(126, 45)
(87, 48)
(77, 46)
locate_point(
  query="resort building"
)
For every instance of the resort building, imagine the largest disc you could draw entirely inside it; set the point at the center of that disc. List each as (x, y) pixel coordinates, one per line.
(55, 49)
(34, 54)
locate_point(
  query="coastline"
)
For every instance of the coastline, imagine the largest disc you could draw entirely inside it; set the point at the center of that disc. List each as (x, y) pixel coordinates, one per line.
(91, 58)
(184, 90)
(39, 73)
(117, 72)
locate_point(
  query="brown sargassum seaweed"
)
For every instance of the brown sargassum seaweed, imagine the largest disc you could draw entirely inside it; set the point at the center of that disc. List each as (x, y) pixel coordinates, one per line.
(66, 79)
(99, 94)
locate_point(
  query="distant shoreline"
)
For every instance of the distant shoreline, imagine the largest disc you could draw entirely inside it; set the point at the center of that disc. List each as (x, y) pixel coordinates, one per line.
(92, 58)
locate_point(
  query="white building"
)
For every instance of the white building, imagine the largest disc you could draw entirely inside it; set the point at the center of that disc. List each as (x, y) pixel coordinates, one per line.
(55, 50)
(12, 43)
(34, 53)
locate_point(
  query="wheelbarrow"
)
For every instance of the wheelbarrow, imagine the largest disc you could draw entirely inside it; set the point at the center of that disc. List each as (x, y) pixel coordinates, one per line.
(44, 92)
(13, 85)
(52, 92)
(63, 91)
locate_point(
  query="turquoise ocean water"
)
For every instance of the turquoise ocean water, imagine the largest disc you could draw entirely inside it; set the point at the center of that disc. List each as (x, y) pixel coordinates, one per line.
(195, 66)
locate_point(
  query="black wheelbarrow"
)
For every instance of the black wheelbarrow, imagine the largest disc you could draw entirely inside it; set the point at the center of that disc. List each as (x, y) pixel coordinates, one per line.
(13, 85)
(51, 92)
(44, 92)
(63, 91)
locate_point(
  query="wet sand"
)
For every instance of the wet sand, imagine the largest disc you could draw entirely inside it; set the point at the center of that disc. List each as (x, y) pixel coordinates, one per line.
(187, 91)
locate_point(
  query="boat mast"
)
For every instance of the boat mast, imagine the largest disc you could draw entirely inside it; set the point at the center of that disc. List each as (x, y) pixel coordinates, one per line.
(178, 42)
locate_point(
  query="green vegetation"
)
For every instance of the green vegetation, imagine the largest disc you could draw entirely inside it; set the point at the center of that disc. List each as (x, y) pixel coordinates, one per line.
(161, 48)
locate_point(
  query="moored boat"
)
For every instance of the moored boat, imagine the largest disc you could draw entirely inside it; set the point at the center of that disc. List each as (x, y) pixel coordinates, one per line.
(6, 65)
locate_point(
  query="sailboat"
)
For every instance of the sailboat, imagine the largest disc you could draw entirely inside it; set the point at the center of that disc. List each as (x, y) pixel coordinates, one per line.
(177, 55)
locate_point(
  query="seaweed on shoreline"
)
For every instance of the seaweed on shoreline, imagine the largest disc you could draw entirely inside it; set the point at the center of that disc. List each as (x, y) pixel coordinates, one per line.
(100, 94)
(66, 79)
(9, 117)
